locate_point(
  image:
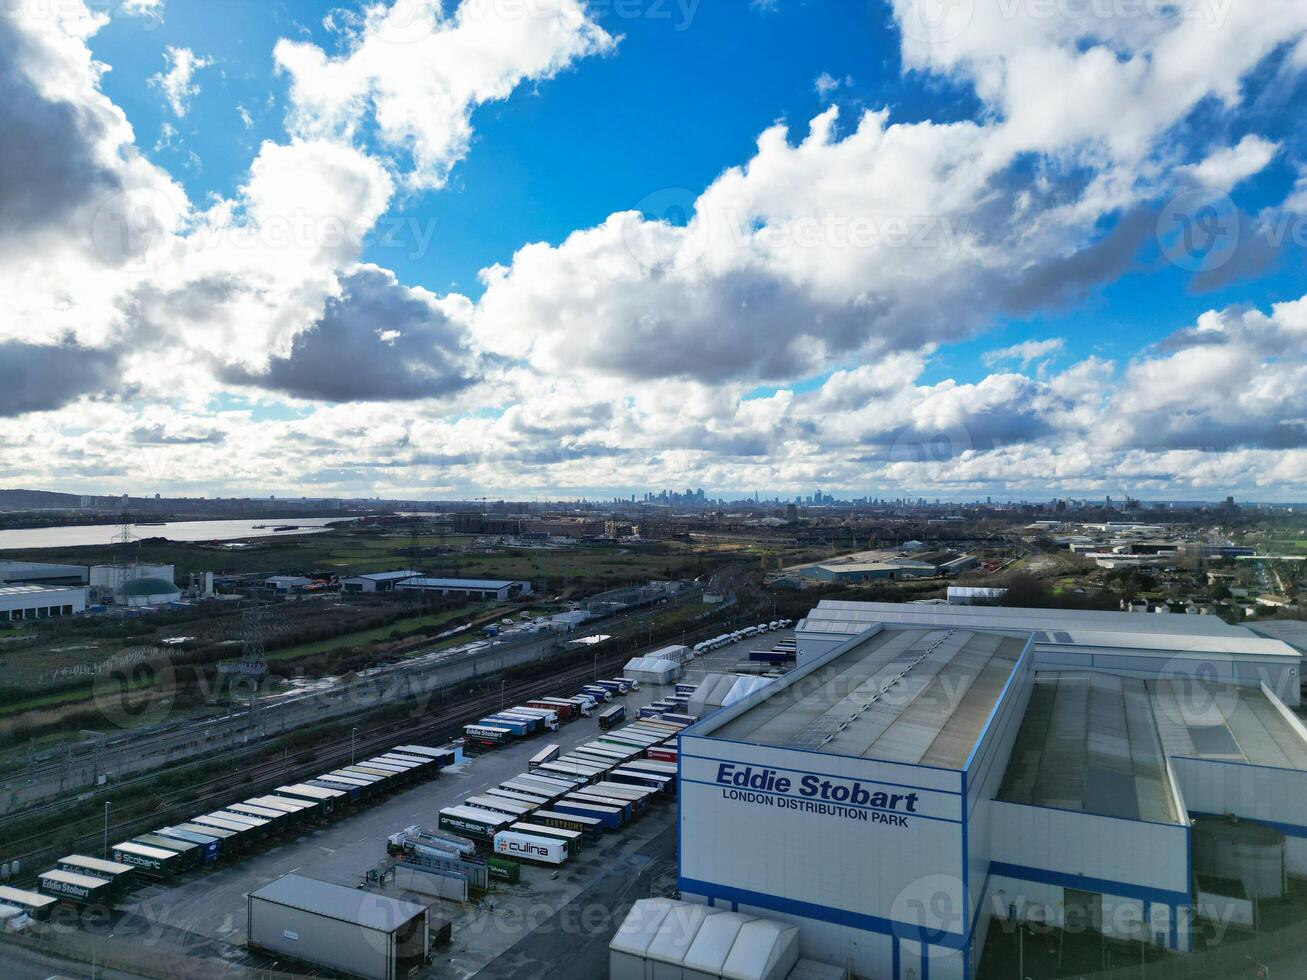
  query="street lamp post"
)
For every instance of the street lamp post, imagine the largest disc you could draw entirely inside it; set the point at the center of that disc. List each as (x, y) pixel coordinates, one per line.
(106, 829)
(352, 733)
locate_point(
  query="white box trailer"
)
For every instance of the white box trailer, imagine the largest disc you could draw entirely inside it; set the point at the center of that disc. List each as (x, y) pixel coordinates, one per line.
(343, 929)
(529, 847)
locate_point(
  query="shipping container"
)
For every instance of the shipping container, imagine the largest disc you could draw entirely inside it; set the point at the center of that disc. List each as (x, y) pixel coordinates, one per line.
(514, 796)
(535, 789)
(590, 828)
(122, 875)
(327, 798)
(520, 727)
(497, 804)
(442, 757)
(153, 861)
(610, 717)
(665, 785)
(205, 837)
(611, 817)
(468, 821)
(193, 852)
(572, 840)
(627, 807)
(527, 847)
(663, 753)
(343, 929)
(80, 889)
(548, 754)
(297, 810)
(279, 819)
(35, 905)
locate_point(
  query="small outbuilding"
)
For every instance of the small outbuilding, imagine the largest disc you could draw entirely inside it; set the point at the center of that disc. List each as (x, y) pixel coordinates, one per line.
(698, 942)
(652, 670)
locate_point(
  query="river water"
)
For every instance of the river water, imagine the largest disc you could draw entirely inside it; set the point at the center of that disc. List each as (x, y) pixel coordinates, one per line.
(101, 534)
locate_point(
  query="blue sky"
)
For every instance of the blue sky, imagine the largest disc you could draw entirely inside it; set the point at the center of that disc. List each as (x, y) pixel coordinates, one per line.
(734, 349)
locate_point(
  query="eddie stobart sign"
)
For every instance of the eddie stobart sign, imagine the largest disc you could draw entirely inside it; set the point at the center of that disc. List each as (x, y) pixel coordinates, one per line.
(809, 793)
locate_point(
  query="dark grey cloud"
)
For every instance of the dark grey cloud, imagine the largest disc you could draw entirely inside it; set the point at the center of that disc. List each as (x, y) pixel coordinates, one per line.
(159, 435)
(377, 341)
(43, 377)
(48, 167)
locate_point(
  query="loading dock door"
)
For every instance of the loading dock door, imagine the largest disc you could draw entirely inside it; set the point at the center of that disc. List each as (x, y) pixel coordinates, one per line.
(1082, 910)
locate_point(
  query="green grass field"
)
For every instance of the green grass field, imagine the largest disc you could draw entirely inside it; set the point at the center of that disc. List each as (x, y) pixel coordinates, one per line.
(363, 637)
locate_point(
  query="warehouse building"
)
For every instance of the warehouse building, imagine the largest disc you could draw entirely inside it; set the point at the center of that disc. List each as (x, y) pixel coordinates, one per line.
(41, 573)
(469, 588)
(18, 602)
(377, 581)
(853, 572)
(1141, 644)
(926, 777)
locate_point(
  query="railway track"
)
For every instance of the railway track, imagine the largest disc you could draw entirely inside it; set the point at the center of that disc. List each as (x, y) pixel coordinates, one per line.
(34, 852)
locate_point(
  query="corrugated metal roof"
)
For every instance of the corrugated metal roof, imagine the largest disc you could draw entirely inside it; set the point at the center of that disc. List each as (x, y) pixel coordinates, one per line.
(902, 695)
(1088, 742)
(365, 909)
(1206, 720)
(459, 583)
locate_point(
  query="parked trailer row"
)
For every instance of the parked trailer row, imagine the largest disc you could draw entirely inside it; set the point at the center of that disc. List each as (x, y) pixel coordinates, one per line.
(36, 905)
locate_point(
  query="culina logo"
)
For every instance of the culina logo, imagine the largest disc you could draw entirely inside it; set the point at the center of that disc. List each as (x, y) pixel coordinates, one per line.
(824, 795)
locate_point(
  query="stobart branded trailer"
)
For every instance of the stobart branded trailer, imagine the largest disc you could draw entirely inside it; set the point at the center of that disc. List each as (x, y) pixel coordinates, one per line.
(153, 861)
(441, 757)
(526, 847)
(488, 736)
(122, 875)
(79, 889)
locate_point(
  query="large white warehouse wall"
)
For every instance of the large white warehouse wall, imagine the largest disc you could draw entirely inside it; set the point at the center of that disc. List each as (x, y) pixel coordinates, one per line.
(1270, 796)
(1140, 868)
(800, 834)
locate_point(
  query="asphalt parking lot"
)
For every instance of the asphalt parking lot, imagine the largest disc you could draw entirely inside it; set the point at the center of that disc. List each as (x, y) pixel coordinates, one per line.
(203, 914)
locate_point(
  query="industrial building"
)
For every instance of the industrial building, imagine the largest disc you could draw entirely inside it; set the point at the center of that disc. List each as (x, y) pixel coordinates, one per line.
(41, 573)
(470, 588)
(377, 581)
(927, 768)
(40, 602)
(870, 571)
(146, 592)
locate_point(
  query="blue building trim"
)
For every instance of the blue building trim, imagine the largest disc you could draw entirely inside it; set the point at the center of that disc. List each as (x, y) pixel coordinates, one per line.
(850, 806)
(894, 940)
(1106, 886)
(1288, 829)
(1000, 703)
(823, 913)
